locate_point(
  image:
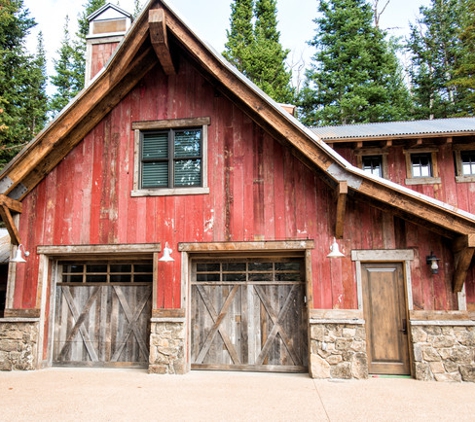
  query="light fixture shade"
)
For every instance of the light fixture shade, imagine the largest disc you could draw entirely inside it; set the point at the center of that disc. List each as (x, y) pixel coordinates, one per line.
(335, 250)
(18, 258)
(166, 254)
(432, 261)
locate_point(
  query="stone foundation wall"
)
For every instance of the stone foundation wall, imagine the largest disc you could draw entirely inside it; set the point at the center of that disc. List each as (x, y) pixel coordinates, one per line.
(338, 349)
(444, 350)
(18, 343)
(167, 346)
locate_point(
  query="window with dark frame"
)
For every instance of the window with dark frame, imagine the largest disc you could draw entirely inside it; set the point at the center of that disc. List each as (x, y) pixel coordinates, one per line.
(372, 164)
(107, 272)
(171, 158)
(468, 163)
(421, 165)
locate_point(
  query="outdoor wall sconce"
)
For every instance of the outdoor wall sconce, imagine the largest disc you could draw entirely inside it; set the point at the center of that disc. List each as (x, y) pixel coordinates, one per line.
(18, 258)
(432, 261)
(166, 254)
(334, 250)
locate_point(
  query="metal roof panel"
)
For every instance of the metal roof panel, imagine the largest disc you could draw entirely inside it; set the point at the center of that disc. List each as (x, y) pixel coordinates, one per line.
(397, 129)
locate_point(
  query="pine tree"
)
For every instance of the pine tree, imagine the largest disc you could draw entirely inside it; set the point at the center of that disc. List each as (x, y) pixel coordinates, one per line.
(464, 69)
(355, 76)
(268, 59)
(137, 8)
(238, 48)
(68, 79)
(18, 124)
(35, 105)
(255, 49)
(435, 47)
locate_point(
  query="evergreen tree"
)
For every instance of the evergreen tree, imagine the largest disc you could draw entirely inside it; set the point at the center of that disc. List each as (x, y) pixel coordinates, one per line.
(238, 48)
(435, 45)
(268, 59)
(137, 8)
(255, 50)
(464, 70)
(18, 124)
(35, 104)
(69, 77)
(355, 76)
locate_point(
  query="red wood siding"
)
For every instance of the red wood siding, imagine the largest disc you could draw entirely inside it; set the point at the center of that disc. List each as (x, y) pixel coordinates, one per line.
(258, 191)
(458, 194)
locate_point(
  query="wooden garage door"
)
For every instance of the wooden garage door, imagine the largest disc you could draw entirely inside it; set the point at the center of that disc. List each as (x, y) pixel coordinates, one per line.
(249, 314)
(102, 314)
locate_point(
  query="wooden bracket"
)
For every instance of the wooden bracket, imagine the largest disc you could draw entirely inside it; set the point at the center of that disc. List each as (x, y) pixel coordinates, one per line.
(341, 194)
(6, 206)
(463, 248)
(158, 36)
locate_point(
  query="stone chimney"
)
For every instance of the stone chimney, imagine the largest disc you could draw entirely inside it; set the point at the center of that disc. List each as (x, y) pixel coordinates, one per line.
(107, 27)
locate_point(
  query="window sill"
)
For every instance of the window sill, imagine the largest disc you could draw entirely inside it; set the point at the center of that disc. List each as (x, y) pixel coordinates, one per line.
(423, 181)
(465, 179)
(169, 192)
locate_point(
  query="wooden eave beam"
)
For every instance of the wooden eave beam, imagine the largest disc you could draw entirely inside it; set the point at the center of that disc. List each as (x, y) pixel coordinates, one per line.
(76, 122)
(463, 248)
(6, 206)
(341, 194)
(158, 36)
(271, 120)
(123, 64)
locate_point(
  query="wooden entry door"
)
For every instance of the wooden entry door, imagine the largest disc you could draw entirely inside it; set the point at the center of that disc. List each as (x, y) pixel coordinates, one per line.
(385, 315)
(248, 314)
(102, 315)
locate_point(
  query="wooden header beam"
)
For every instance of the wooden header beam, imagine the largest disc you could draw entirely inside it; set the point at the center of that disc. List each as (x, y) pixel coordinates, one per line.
(158, 36)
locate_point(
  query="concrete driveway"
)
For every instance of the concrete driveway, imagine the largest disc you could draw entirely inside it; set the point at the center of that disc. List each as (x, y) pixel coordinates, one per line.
(59, 394)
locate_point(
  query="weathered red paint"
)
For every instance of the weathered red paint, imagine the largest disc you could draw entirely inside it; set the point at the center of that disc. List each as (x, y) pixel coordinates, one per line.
(258, 191)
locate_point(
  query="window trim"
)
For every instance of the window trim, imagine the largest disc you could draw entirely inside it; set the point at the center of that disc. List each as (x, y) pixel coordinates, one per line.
(370, 152)
(411, 180)
(459, 176)
(140, 127)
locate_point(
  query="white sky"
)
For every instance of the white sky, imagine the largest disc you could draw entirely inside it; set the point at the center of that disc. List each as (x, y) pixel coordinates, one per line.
(210, 20)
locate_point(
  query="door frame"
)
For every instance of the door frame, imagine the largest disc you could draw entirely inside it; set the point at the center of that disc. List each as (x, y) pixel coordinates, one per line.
(374, 256)
(222, 250)
(48, 275)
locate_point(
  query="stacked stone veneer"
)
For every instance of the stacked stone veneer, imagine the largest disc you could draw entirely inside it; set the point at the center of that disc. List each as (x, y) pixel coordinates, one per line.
(18, 343)
(167, 346)
(338, 349)
(444, 350)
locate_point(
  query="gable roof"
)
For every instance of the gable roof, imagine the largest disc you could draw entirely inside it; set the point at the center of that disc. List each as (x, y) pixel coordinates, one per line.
(392, 130)
(136, 56)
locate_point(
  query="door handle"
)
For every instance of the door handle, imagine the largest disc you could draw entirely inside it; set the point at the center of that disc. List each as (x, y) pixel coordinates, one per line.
(404, 326)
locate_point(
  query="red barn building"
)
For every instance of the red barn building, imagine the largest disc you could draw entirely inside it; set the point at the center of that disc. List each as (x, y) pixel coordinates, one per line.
(178, 218)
